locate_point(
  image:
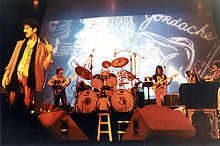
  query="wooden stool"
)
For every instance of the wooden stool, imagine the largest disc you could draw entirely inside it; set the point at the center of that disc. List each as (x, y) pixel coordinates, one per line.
(120, 131)
(106, 122)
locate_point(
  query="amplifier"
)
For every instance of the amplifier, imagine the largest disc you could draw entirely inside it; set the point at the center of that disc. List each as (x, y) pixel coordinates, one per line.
(199, 95)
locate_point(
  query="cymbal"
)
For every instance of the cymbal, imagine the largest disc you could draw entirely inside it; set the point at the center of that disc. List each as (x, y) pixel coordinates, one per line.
(106, 64)
(122, 73)
(119, 62)
(83, 73)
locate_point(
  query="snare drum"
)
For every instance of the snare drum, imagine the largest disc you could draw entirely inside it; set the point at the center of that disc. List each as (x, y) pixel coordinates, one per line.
(122, 100)
(97, 82)
(87, 101)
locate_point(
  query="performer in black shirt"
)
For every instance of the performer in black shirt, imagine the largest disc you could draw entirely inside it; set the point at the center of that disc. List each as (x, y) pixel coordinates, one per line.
(159, 84)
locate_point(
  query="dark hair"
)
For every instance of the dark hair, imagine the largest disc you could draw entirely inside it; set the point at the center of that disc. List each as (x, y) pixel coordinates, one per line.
(160, 68)
(33, 23)
(58, 69)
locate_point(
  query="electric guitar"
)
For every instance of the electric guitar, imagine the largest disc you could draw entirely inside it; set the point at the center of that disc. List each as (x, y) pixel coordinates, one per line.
(61, 87)
(155, 88)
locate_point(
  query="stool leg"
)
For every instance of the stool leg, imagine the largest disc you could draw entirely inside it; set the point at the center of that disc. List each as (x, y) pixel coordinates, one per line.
(119, 135)
(109, 129)
(98, 134)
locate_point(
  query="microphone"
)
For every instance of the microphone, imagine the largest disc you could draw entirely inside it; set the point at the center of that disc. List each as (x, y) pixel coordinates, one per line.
(46, 40)
(115, 53)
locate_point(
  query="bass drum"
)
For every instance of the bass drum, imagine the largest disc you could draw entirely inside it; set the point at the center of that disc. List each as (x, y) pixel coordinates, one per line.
(111, 80)
(97, 82)
(122, 100)
(87, 101)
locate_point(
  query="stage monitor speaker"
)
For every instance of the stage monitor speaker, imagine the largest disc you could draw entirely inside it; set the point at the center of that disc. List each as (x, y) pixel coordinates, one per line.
(60, 125)
(205, 122)
(199, 95)
(153, 120)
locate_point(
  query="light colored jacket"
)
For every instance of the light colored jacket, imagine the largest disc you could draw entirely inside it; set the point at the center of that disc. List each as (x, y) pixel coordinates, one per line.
(41, 63)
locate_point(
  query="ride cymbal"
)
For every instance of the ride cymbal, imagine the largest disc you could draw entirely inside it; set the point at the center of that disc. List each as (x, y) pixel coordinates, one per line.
(119, 62)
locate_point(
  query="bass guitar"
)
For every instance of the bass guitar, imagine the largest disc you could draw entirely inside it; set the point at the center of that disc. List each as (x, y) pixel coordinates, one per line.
(61, 87)
(160, 83)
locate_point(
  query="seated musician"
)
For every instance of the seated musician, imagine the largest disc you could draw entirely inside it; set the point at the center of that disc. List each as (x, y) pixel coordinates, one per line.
(159, 86)
(59, 84)
(214, 74)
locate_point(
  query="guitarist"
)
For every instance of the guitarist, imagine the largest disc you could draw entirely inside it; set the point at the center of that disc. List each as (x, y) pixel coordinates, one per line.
(56, 82)
(161, 91)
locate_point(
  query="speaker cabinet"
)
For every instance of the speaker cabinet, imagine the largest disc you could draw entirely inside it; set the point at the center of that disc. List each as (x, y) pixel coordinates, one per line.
(153, 120)
(60, 125)
(199, 95)
(205, 122)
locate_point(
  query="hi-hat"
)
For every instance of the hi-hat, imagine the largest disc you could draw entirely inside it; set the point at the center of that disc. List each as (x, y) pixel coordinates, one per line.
(119, 62)
(83, 73)
(106, 64)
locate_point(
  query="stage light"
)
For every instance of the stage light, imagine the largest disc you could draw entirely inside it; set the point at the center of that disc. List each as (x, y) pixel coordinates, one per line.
(35, 3)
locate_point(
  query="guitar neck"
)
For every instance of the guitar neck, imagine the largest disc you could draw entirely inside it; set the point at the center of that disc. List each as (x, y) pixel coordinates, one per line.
(165, 80)
(69, 79)
(168, 79)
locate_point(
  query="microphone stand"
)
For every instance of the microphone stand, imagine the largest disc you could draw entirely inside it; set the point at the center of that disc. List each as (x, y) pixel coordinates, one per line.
(91, 66)
(44, 83)
(90, 59)
(165, 72)
(135, 54)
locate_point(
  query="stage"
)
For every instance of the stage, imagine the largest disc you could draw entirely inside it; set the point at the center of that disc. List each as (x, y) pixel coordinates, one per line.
(26, 128)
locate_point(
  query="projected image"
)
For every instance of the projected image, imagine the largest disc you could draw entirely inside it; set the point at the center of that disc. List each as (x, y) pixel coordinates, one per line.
(92, 41)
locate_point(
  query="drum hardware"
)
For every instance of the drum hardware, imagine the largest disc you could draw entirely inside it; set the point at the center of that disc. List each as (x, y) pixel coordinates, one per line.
(89, 61)
(147, 83)
(131, 76)
(82, 86)
(123, 83)
(135, 55)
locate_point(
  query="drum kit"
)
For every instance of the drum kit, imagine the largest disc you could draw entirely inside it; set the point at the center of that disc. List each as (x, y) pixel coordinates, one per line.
(105, 84)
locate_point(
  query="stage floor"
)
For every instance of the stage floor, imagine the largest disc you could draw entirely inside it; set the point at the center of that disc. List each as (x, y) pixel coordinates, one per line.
(19, 127)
